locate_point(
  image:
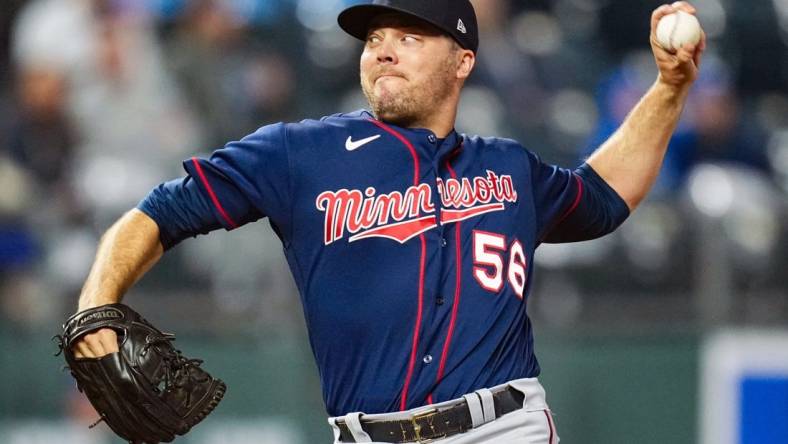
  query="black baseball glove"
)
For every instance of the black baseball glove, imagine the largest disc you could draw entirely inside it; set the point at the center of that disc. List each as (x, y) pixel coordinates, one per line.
(148, 392)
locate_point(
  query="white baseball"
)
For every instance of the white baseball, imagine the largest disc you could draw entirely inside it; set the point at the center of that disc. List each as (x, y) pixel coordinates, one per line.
(678, 29)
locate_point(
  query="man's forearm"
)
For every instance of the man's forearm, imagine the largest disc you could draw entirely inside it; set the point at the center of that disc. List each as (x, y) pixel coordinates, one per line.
(631, 158)
(126, 252)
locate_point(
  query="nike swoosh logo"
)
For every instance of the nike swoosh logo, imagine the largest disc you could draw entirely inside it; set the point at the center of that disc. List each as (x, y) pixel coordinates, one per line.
(350, 145)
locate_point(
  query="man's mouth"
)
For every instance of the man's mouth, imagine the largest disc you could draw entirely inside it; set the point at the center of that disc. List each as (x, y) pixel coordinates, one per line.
(388, 76)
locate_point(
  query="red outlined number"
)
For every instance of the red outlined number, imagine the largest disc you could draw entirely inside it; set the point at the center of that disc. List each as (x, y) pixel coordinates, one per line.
(489, 250)
(487, 262)
(517, 267)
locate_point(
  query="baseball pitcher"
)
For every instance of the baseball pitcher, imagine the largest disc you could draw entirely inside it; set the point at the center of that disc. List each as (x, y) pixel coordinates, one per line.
(412, 244)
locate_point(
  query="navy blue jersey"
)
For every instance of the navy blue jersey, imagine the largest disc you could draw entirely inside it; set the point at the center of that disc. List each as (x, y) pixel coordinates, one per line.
(413, 255)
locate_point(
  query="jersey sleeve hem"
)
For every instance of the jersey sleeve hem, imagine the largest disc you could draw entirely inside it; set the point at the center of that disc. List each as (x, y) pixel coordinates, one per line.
(620, 210)
(596, 211)
(166, 240)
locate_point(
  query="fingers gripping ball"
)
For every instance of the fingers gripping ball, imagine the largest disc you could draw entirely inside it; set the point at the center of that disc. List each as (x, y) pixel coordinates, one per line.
(678, 29)
(148, 392)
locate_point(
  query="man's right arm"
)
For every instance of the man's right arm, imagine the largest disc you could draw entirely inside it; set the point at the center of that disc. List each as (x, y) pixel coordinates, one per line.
(230, 189)
(126, 252)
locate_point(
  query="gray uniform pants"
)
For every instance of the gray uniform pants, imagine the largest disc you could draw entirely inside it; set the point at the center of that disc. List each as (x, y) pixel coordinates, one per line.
(533, 424)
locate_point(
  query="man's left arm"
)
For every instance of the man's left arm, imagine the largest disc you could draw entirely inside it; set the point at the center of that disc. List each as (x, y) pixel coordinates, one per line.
(630, 160)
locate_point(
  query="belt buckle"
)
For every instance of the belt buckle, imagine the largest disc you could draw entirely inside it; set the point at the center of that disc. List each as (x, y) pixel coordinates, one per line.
(417, 427)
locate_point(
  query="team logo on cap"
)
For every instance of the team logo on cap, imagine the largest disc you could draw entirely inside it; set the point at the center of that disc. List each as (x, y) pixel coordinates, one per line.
(461, 27)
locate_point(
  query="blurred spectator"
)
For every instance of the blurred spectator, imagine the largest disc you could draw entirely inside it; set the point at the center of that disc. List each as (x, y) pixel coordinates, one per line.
(40, 137)
(725, 131)
(36, 145)
(505, 70)
(753, 40)
(234, 85)
(131, 123)
(8, 12)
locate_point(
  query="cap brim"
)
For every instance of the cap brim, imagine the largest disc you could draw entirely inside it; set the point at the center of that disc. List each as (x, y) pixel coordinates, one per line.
(355, 20)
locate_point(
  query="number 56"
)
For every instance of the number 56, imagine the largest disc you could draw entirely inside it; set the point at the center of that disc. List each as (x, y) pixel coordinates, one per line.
(488, 253)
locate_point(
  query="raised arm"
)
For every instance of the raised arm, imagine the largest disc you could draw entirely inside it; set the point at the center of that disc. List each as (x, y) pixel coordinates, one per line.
(126, 252)
(630, 160)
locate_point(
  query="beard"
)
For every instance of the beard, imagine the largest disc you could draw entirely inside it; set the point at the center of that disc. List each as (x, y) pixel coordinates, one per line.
(412, 104)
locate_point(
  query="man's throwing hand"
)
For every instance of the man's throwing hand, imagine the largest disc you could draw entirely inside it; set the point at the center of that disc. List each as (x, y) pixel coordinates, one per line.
(680, 68)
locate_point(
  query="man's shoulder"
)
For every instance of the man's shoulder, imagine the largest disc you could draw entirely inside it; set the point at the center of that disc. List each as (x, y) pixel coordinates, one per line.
(492, 143)
(338, 119)
(357, 115)
(327, 123)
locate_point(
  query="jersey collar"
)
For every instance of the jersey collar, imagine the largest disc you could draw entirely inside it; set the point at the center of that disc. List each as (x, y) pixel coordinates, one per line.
(425, 140)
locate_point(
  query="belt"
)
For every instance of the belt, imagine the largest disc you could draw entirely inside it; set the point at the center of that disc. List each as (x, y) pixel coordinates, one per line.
(432, 424)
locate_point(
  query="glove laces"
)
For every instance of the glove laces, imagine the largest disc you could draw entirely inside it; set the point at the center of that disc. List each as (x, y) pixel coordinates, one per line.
(177, 369)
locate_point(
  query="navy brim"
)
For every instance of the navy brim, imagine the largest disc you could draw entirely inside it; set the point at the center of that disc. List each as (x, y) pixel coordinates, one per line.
(355, 20)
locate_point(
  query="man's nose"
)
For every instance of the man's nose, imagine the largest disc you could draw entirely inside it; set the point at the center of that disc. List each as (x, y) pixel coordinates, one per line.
(386, 53)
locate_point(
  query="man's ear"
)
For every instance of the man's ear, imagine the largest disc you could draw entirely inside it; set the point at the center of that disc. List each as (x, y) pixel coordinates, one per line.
(467, 60)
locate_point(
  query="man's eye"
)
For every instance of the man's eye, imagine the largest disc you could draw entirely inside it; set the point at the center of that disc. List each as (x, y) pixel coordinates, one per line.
(410, 39)
(373, 39)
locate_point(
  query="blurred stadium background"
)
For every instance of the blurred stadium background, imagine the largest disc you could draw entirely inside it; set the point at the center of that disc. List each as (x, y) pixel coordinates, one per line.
(670, 330)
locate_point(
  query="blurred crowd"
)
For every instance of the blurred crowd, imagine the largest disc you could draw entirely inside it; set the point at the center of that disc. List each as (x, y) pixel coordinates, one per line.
(100, 100)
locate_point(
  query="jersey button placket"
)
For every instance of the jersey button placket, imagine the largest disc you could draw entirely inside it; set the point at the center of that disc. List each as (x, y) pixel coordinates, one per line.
(441, 228)
(436, 240)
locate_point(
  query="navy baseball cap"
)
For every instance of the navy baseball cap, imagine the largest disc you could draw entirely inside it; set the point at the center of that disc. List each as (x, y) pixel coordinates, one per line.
(455, 17)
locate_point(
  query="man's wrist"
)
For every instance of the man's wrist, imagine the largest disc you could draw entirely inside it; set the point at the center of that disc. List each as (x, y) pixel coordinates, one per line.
(93, 302)
(672, 90)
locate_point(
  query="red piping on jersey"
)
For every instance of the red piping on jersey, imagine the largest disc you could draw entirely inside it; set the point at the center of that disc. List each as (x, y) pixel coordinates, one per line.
(550, 424)
(416, 330)
(214, 199)
(405, 142)
(575, 203)
(457, 282)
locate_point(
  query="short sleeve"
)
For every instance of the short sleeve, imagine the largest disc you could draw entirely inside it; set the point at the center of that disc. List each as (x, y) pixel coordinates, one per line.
(573, 205)
(246, 179)
(238, 184)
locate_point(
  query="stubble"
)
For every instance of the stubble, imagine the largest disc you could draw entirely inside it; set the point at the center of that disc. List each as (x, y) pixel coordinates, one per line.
(416, 102)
